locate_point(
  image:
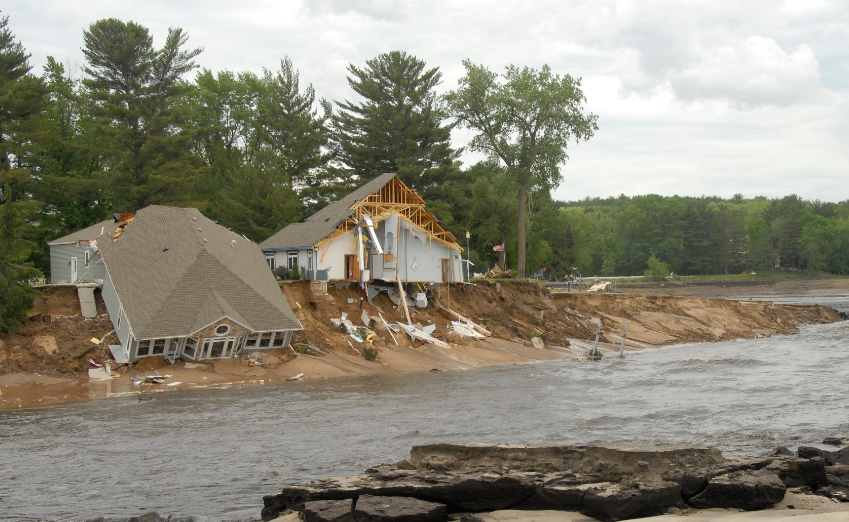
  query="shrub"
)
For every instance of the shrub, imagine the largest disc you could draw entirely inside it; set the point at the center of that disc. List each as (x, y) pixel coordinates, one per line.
(657, 271)
(370, 354)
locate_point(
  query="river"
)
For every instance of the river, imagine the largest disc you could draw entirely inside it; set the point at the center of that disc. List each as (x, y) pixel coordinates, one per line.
(215, 453)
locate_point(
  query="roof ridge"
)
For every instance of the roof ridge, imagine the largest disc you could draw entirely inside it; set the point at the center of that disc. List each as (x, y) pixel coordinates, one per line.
(173, 290)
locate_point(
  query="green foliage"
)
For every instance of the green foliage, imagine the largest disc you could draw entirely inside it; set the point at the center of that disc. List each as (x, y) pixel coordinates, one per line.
(523, 120)
(137, 98)
(294, 274)
(16, 272)
(370, 354)
(399, 127)
(657, 270)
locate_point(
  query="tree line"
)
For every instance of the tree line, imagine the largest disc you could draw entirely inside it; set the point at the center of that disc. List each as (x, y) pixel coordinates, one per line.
(138, 124)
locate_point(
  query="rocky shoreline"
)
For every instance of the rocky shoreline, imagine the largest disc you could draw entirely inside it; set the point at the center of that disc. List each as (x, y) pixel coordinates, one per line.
(439, 481)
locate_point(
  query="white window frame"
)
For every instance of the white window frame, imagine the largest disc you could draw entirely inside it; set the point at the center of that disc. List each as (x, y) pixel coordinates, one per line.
(271, 259)
(118, 322)
(87, 257)
(290, 255)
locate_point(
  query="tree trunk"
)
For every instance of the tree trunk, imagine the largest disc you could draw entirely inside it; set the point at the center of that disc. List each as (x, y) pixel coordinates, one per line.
(523, 202)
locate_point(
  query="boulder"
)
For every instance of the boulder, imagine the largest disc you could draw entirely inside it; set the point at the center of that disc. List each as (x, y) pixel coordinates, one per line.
(461, 492)
(398, 509)
(329, 511)
(619, 502)
(779, 451)
(799, 472)
(47, 343)
(831, 457)
(746, 490)
(837, 483)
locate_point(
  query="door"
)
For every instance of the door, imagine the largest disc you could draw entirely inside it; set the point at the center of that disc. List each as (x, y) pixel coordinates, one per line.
(446, 270)
(73, 269)
(352, 268)
(218, 348)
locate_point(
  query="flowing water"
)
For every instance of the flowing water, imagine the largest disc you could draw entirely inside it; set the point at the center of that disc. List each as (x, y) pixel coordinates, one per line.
(215, 453)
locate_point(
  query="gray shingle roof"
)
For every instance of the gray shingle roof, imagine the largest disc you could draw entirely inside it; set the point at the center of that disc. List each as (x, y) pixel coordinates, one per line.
(193, 283)
(87, 234)
(324, 222)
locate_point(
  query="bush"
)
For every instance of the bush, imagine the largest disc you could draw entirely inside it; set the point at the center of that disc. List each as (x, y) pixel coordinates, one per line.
(281, 272)
(657, 271)
(370, 354)
(295, 274)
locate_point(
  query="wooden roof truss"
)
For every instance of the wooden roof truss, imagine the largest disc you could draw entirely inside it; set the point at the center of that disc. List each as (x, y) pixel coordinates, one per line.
(396, 198)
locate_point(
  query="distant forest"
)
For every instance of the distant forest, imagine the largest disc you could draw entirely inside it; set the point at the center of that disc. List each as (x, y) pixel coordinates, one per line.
(137, 125)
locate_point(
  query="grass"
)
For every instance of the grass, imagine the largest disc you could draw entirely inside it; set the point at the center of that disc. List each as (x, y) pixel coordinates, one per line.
(370, 354)
(491, 320)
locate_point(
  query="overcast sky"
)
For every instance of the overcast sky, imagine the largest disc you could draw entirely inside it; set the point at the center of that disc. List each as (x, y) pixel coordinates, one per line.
(694, 96)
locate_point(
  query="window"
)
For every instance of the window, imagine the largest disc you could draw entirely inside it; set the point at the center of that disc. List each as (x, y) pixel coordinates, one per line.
(291, 259)
(250, 340)
(265, 340)
(191, 347)
(269, 258)
(143, 349)
(87, 257)
(158, 347)
(279, 339)
(118, 322)
(223, 329)
(309, 260)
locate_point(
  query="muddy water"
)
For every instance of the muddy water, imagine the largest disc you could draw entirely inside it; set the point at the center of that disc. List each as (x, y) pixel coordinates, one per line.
(214, 453)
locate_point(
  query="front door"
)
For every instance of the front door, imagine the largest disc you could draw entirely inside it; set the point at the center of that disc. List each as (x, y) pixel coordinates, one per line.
(446, 270)
(352, 268)
(218, 348)
(73, 269)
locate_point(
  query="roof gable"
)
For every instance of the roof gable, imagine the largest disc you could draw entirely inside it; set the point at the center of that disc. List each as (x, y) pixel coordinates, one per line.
(176, 271)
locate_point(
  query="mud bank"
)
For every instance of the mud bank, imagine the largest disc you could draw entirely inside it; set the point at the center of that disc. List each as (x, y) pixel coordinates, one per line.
(602, 483)
(45, 361)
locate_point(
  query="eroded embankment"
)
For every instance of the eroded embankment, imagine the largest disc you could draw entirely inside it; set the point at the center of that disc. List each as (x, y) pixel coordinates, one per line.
(46, 359)
(659, 320)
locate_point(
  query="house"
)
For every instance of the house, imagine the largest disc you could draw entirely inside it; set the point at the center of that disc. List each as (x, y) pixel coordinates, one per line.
(378, 234)
(75, 258)
(177, 284)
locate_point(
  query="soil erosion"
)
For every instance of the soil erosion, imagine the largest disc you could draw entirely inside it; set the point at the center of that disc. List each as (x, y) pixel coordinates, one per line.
(47, 358)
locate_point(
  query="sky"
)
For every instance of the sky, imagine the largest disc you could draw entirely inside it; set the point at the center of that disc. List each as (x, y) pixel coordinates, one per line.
(694, 97)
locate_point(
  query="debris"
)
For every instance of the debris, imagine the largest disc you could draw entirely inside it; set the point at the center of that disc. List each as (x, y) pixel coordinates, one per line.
(143, 398)
(465, 330)
(468, 322)
(351, 301)
(95, 340)
(119, 353)
(388, 327)
(371, 337)
(94, 363)
(86, 297)
(366, 319)
(415, 333)
(173, 383)
(100, 373)
(496, 273)
(537, 342)
(429, 329)
(298, 305)
(137, 380)
(296, 378)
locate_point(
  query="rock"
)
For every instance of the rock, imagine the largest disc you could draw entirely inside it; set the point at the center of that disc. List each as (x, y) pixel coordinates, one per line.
(463, 492)
(537, 342)
(795, 472)
(779, 451)
(836, 441)
(831, 458)
(616, 502)
(151, 516)
(329, 511)
(746, 490)
(46, 343)
(398, 509)
(557, 497)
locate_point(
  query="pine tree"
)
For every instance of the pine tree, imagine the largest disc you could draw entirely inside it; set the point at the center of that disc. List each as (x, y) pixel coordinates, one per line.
(16, 272)
(137, 95)
(399, 127)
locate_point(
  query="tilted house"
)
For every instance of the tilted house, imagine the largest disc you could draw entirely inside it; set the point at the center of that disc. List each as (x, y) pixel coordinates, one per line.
(334, 244)
(177, 284)
(74, 258)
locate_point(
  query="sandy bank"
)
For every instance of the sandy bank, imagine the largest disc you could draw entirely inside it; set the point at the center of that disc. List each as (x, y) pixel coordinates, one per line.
(46, 360)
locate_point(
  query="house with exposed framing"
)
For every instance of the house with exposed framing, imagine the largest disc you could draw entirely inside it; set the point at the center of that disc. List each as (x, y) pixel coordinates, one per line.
(378, 234)
(177, 284)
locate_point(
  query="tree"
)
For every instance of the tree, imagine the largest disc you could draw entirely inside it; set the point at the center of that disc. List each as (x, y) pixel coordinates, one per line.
(16, 294)
(525, 121)
(399, 127)
(137, 96)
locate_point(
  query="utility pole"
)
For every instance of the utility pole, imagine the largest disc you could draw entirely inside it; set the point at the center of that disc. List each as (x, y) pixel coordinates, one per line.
(468, 260)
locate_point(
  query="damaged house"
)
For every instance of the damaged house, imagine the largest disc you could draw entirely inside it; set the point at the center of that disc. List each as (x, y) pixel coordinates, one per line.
(177, 284)
(74, 258)
(378, 235)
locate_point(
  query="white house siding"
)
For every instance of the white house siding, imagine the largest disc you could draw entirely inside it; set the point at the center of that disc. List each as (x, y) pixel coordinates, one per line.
(60, 263)
(113, 306)
(331, 257)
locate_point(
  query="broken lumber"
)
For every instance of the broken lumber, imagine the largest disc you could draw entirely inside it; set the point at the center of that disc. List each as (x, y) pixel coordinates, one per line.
(403, 296)
(459, 317)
